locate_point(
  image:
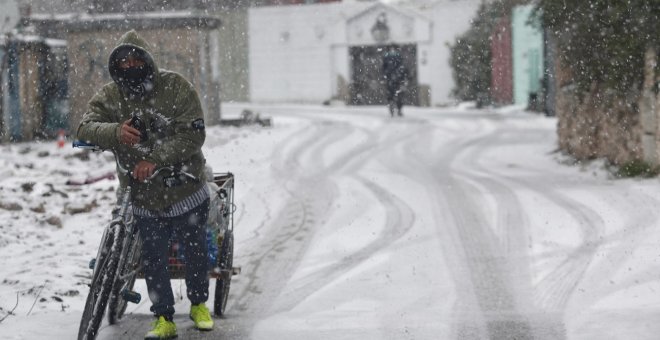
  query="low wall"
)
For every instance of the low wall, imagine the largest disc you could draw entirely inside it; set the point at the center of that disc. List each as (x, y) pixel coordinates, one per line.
(599, 125)
(605, 124)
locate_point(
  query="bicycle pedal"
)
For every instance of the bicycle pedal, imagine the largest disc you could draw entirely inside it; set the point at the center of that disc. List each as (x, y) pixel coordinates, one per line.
(131, 296)
(92, 263)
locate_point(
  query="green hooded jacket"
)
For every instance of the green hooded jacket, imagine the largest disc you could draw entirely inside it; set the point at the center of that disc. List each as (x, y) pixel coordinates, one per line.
(175, 129)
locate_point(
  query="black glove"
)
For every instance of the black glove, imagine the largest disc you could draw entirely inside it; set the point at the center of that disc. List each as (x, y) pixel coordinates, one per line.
(139, 125)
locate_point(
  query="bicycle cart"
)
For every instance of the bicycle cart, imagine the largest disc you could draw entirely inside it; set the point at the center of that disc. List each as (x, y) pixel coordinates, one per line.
(220, 241)
(117, 264)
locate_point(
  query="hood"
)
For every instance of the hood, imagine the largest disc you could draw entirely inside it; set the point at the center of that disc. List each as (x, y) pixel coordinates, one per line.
(131, 44)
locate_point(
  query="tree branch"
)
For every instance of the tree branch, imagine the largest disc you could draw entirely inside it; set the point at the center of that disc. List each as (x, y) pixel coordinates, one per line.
(11, 312)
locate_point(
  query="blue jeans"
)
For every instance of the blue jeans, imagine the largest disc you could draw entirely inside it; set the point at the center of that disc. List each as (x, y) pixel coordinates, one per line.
(190, 228)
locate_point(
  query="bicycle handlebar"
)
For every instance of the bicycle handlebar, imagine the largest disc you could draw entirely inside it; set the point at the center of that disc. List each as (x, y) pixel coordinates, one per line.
(84, 145)
(88, 146)
(171, 169)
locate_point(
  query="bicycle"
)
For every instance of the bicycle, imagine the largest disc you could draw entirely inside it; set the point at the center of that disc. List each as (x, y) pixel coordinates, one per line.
(117, 263)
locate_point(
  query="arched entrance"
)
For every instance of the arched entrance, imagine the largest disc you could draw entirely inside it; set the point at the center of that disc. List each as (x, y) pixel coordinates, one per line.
(367, 85)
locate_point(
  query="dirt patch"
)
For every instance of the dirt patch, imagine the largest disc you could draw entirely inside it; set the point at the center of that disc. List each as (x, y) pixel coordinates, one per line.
(11, 206)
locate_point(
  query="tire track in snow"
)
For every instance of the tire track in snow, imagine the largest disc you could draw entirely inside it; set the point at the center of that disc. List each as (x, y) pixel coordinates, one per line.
(399, 217)
(513, 225)
(556, 295)
(282, 245)
(289, 222)
(474, 250)
(586, 274)
(553, 292)
(347, 164)
(399, 220)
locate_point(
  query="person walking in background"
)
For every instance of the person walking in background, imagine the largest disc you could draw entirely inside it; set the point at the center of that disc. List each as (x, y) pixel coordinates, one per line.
(396, 79)
(153, 118)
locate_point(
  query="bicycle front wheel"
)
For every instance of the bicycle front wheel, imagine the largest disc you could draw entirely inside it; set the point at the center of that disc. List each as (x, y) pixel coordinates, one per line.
(127, 275)
(103, 278)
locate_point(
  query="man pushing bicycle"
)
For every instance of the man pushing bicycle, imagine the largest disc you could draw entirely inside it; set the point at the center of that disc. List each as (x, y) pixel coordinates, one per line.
(153, 118)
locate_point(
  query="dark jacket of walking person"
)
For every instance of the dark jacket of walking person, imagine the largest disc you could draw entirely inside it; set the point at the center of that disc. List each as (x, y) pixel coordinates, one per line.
(172, 134)
(396, 78)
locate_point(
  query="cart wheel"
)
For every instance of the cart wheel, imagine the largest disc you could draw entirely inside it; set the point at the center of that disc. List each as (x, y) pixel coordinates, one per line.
(225, 262)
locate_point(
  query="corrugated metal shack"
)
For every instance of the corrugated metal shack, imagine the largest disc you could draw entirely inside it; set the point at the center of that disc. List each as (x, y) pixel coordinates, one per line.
(34, 87)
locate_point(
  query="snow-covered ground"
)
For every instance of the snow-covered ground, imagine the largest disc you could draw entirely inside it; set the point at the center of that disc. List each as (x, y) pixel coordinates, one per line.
(445, 224)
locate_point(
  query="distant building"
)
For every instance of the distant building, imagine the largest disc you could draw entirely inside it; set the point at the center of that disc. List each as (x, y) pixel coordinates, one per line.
(322, 52)
(34, 91)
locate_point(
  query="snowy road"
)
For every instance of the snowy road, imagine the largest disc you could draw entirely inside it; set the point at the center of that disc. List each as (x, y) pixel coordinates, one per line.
(445, 224)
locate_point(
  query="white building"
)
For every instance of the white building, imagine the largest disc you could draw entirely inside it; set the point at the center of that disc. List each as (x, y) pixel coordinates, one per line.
(316, 53)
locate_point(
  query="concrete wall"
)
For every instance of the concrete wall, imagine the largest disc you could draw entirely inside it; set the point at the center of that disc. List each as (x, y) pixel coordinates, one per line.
(450, 19)
(233, 49)
(291, 53)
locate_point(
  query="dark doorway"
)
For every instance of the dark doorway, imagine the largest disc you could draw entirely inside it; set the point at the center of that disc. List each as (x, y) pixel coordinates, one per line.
(367, 83)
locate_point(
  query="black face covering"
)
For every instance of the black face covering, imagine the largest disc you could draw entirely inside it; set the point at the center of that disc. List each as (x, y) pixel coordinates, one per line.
(135, 82)
(134, 75)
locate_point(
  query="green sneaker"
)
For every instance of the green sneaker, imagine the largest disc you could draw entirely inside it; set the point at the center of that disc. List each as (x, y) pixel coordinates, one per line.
(201, 316)
(163, 329)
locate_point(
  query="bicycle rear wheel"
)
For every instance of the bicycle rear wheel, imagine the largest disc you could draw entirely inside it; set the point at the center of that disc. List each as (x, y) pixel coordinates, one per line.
(225, 262)
(127, 275)
(102, 281)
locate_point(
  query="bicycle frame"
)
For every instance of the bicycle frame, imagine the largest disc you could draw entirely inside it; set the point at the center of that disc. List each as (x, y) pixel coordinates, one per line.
(125, 220)
(113, 270)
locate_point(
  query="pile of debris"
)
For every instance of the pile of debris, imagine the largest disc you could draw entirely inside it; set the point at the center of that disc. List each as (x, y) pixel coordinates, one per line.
(247, 118)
